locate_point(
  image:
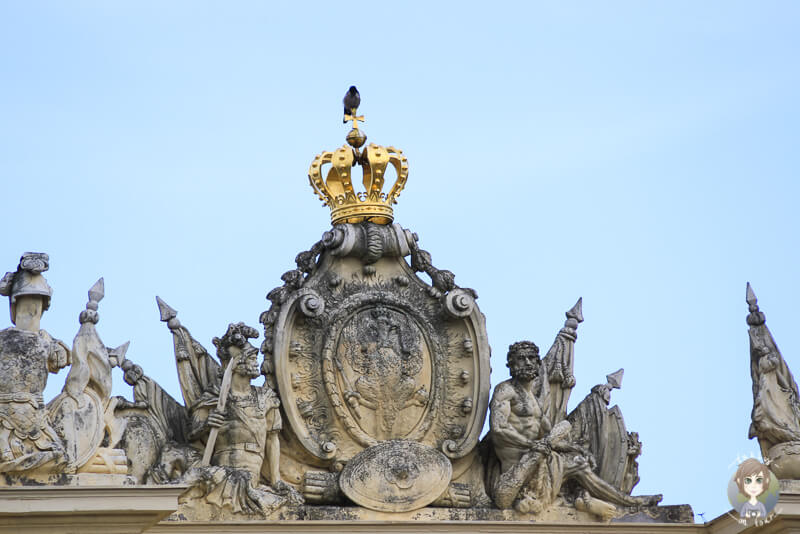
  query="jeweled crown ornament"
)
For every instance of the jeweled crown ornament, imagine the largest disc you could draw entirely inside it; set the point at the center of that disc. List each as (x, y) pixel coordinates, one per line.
(336, 190)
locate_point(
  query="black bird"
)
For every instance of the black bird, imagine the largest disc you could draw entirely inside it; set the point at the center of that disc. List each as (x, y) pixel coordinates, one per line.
(351, 100)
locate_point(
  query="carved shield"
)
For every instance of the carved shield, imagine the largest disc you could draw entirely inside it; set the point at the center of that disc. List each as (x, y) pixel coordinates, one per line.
(365, 351)
(396, 476)
(613, 452)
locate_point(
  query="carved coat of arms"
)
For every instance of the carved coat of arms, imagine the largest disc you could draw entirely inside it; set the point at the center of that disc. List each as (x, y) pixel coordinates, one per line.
(366, 351)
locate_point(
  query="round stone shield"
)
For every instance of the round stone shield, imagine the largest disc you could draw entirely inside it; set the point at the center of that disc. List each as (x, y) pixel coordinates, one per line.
(396, 476)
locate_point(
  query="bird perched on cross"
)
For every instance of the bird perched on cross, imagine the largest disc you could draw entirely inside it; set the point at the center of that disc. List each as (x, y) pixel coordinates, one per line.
(351, 101)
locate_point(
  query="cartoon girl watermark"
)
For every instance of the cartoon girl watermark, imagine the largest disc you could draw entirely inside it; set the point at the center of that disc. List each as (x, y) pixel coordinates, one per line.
(753, 492)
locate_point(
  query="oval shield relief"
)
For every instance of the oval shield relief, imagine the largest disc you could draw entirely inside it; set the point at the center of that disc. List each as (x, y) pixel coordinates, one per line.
(396, 476)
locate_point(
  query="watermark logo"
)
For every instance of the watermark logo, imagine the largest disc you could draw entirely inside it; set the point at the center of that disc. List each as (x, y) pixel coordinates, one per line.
(753, 492)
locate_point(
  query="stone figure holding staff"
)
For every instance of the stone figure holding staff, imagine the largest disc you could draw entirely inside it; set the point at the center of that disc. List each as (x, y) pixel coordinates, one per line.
(243, 431)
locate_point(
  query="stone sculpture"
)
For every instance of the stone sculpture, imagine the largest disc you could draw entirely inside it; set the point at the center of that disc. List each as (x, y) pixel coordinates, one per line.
(224, 443)
(66, 435)
(538, 455)
(776, 405)
(247, 443)
(376, 389)
(28, 442)
(363, 351)
(601, 432)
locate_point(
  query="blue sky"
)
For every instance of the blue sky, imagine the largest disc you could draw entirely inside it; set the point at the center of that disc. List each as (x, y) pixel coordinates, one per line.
(642, 155)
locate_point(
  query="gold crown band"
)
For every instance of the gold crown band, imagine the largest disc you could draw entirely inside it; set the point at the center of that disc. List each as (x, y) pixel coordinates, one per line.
(337, 192)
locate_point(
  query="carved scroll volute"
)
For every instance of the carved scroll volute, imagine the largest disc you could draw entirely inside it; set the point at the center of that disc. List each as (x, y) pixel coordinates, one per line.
(458, 303)
(307, 303)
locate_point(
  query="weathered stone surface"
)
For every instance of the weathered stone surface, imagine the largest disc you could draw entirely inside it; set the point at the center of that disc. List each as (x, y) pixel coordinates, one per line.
(376, 389)
(776, 404)
(65, 435)
(396, 476)
(536, 454)
(225, 447)
(85, 509)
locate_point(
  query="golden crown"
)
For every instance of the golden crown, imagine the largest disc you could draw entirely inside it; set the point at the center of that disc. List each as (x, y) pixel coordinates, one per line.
(336, 190)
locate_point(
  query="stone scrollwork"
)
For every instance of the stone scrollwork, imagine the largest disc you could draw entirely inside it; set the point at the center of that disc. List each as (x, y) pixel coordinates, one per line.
(380, 351)
(311, 304)
(459, 303)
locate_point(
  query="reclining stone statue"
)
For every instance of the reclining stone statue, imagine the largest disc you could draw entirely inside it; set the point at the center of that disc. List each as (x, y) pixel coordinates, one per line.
(538, 456)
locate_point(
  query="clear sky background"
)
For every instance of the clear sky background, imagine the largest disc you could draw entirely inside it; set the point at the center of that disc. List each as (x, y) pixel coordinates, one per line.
(642, 155)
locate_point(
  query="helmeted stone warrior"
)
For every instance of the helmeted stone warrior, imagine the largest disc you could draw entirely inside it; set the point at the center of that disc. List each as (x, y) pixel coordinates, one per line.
(28, 442)
(246, 446)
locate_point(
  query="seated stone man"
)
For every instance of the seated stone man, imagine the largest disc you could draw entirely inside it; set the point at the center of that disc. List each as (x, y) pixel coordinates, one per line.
(535, 455)
(28, 443)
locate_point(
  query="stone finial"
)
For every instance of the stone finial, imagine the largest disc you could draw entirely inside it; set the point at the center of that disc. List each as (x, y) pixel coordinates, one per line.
(117, 356)
(96, 294)
(168, 314)
(614, 380)
(575, 313)
(755, 317)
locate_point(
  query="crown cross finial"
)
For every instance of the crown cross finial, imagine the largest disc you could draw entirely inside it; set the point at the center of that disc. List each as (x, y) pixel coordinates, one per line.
(336, 189)
(353, 117)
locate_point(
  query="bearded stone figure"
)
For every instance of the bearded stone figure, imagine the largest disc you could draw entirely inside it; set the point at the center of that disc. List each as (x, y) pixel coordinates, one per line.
(241, 436)
(536, 459)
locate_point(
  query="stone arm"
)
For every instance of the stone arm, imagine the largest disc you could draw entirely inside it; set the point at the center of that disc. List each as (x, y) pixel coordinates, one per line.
(419, 398)
(272, 399)
(355, 399)
(768, 363)
(579, 451)
(498, 420)
(59, 356)
(272, 448)
(203, 418)
(124, 404)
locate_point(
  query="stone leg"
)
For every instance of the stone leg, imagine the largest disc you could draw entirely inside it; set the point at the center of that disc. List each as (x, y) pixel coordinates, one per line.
(601, 489)
(600, 508)
(510, 483)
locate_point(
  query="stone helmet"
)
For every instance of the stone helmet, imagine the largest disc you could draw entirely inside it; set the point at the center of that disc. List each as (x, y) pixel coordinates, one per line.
(28, 279)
